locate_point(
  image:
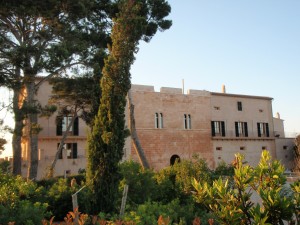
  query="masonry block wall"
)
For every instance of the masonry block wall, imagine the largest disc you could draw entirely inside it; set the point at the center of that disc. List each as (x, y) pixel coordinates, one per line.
(170, 124)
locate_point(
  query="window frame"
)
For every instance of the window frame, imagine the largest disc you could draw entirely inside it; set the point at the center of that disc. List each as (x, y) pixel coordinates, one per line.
(239, 106)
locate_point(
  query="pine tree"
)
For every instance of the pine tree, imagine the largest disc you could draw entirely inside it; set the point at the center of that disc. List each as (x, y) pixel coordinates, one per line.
(45, 37)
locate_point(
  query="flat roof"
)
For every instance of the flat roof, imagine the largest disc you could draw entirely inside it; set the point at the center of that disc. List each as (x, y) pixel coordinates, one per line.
(240, 96)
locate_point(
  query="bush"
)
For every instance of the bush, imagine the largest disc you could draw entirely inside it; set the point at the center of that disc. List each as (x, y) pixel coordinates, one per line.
(232, 203)
(176, 181)
(142, 185)
(19, 201)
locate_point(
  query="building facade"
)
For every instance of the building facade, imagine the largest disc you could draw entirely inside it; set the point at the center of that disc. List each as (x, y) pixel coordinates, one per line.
(172, 125)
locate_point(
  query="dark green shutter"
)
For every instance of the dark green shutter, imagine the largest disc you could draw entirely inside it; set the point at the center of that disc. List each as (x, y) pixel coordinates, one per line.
(267, 130)
(258, 130)
(236, 129)
(75, 127)
(213, 132)
(223, 128)
(59, 121)
(246, 129)
(74, 151)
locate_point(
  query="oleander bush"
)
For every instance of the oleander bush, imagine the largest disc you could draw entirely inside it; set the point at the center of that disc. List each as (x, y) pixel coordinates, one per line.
(276, 202)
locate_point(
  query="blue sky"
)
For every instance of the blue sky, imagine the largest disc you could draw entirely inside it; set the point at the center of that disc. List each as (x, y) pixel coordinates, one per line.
(250, 46)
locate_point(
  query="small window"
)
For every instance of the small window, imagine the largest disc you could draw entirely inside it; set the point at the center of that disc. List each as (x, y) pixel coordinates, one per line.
(187, 121)
(219, 148)
(263, 148)
(161, 120)
(242, 148)
(239, 106)
(216, 108)
(219, 157)
(260, 110)
(158, 120)
(285, 147)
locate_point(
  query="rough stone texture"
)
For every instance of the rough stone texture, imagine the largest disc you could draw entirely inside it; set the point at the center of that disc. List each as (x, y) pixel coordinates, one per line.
(160, 144)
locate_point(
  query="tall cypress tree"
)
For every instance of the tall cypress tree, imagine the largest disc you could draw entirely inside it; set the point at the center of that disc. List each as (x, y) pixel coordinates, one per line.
(135, 20)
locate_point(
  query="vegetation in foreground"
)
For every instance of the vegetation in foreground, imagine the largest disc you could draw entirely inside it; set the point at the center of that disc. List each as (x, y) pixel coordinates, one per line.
(185, 193)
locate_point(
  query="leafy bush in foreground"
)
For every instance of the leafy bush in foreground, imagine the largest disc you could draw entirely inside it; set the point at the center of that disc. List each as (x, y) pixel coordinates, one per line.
(20, 201)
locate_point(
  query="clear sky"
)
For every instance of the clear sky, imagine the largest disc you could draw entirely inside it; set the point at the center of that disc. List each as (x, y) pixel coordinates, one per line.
(252, 47)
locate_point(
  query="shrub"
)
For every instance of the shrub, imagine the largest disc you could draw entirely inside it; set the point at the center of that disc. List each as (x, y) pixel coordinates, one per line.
(232, 203)
(19, 201)
(142, 185)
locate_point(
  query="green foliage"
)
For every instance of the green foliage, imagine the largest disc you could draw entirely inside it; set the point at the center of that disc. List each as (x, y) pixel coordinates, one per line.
(19, 201)
(4, 166)
(175, 181)
(106, 142)
(232, 203)
(149, 212)
(59, 196)
(142, 185)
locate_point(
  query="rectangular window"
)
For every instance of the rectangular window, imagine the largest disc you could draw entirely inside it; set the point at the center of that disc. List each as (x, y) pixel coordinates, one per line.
(158, 120)
(218, 128)
(285, 147)
(241, 129)
(242, 148)
(161, 120)
(187, 121)
(70, 148)
(263, 148)
(62, 123)
(239, 106)
(219, 148)
(263, 130)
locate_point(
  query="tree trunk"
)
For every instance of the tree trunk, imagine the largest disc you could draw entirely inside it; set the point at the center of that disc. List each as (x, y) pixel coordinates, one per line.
(135, 139)
(17, 135)
(33, 132)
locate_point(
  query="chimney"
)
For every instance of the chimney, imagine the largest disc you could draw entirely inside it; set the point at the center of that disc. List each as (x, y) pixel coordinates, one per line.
(277, 115)
(223, 88)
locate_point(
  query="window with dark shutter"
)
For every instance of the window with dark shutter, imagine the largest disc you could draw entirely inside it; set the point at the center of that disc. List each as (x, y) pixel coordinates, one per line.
(236, 129)
(223, 128)
(76, 127)
(239, 106)
(258, 130)
(74, 151)
(59, 121)
(267, 130)
(213, 132)
(246, 129)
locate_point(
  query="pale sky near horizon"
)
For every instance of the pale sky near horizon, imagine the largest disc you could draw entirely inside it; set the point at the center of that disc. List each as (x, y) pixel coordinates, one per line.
(252, 47)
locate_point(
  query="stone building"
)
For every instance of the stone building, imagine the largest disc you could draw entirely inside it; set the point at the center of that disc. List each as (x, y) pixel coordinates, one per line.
(172, 125)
